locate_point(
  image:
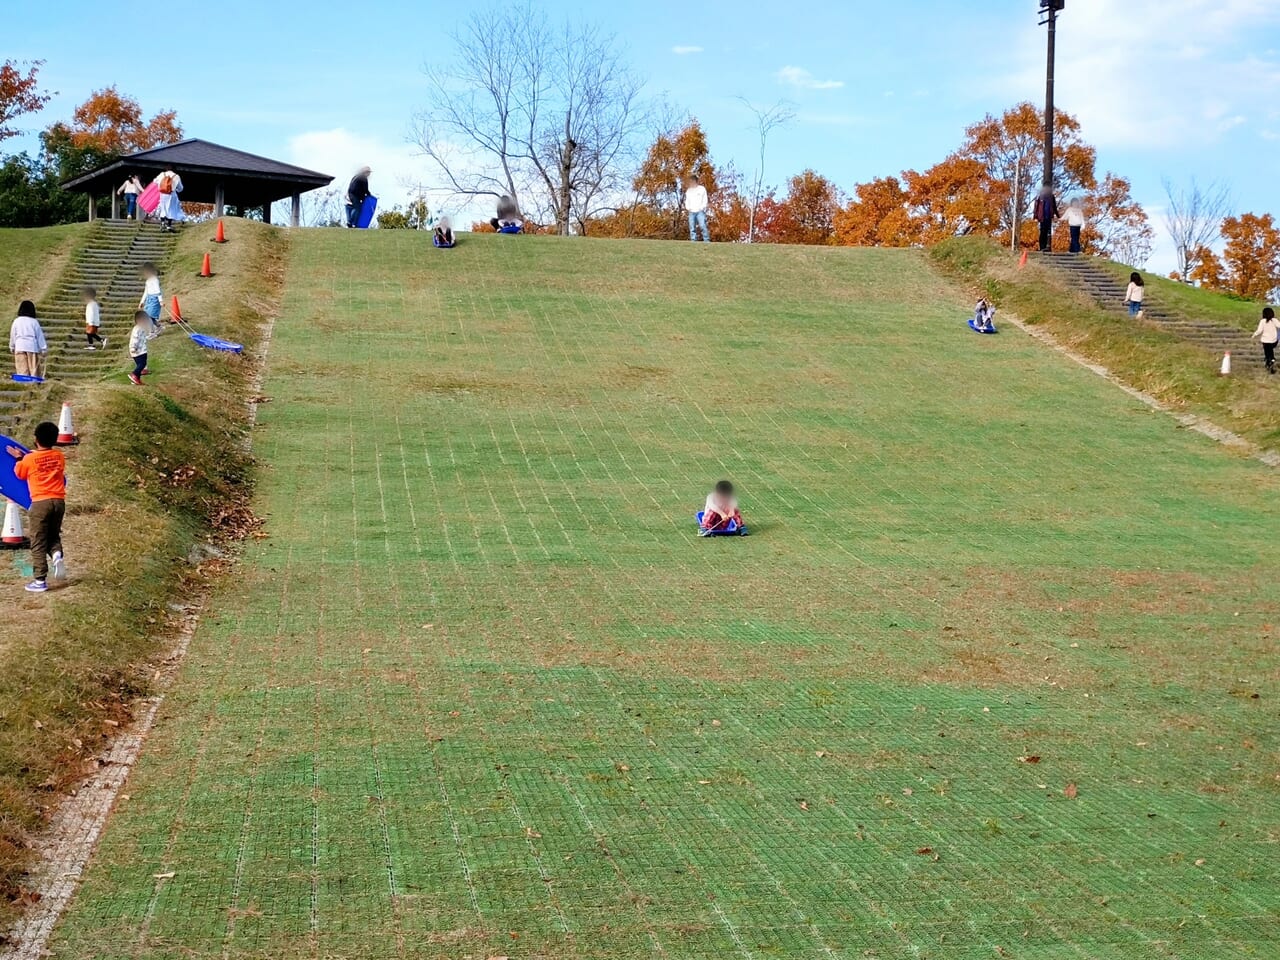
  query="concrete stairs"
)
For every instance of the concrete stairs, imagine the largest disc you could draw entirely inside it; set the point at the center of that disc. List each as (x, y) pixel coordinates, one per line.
(1091, 278)
(110, 260)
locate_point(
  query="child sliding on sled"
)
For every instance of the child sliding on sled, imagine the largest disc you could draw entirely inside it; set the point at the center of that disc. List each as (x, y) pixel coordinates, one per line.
(721, 514)
(984, 317)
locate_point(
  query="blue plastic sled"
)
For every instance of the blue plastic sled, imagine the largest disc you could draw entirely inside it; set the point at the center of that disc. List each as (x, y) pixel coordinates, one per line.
(441, 245)
(23, 378)
(976, 329)
(510, 228)
(732, 530)
(10, 486)
(366, 212)
(213, 343)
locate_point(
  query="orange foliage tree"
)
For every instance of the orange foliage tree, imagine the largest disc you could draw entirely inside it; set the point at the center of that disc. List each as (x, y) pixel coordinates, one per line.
(1116, 226)
(877, 216)
(805, 215)
(113, 123)
(1011, 150)
(19, 94)
(1208, 271)
(953, 198)
(1251, 255)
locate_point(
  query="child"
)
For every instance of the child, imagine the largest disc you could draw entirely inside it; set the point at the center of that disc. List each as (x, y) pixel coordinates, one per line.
(45, 470)
(92, 319)
(1269, 331)
(150, 302)
(1133, 296)
(984, 315)
(443, 237)
(141, 334)
(721, 508)
(27, 342)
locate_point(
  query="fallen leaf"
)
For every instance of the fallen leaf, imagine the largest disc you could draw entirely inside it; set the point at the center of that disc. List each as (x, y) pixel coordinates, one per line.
(39, 725)
(804, 805)
(1070, 791)
(820, 753)
(925, 851)
(715, 723)
(621, 767)
(1031, 759)
(986, 709)
(907, 792)
(532, 834)
(704, 782)
(163, 876)
(1200, 862)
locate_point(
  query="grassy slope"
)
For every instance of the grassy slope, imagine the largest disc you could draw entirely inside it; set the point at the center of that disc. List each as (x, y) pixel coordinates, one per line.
(483, 693)
(1177, 373)
(29, 261)
(154, 466)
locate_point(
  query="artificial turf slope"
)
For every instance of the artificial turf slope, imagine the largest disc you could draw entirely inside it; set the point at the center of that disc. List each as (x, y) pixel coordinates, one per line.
(484, 693)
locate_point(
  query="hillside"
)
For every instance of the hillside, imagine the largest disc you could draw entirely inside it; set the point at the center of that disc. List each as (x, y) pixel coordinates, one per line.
(992, 651)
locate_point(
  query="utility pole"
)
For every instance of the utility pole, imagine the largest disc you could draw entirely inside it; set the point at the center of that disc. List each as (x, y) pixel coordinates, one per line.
(1049, 9)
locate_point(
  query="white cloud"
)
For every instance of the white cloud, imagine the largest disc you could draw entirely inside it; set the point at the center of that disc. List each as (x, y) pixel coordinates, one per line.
(685, 51)
(804, 80)
(1187, 78)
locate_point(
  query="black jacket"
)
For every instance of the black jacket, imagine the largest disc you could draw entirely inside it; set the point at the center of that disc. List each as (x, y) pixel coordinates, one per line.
(358, 189)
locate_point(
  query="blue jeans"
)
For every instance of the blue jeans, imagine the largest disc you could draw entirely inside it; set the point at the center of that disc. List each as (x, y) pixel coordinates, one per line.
(152, 306)
(130, 206)
(697, 220)
(1135, 307)
(1075, 239)
(353, 213)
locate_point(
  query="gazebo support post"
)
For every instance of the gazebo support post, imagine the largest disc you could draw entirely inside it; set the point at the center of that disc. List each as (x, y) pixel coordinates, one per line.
(219, 199)
(266, 213)
(93, 207)
(295, 210)
(115, 205)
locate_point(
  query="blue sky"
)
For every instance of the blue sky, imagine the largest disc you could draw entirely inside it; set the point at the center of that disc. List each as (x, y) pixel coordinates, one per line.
(1164, 87)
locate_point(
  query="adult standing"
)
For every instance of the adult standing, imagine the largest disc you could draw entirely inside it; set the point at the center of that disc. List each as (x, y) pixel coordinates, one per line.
(695, 204)
(357, 194)
(1075, 222)
(1045, 212)
(170, 209)
(1268, 333)
(130, 190)
(27, 343)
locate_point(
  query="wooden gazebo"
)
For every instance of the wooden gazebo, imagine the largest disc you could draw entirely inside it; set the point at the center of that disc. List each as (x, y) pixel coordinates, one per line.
(210, 173)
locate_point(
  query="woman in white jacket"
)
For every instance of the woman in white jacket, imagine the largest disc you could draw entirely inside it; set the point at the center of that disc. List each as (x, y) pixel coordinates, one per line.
(27, 343)
(1269, 333)
(170, 209)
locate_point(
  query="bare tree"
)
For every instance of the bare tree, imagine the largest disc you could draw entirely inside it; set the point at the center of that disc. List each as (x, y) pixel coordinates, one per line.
(544, 116)
(1193, 218)
(778, 115)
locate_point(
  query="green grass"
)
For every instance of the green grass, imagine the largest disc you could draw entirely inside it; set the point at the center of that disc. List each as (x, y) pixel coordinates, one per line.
(1194, 303)
(483, 692)
(156, 467)
(1180, 374)
(30, 259)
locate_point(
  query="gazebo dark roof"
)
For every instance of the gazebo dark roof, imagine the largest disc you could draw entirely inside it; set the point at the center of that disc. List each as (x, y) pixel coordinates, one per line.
(211, 173)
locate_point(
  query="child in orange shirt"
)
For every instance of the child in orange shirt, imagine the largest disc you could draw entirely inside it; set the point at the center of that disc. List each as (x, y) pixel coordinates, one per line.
(45, 470)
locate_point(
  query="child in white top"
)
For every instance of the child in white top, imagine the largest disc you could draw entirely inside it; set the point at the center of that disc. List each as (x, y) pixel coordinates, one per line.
(92, 319)
(1134, 295)
(984, 316)
(721, 508)
(151, 295)
(139, 337)
(1269, 333)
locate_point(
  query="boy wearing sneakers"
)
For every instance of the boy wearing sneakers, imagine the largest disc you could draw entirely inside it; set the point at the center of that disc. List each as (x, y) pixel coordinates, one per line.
(45, 470)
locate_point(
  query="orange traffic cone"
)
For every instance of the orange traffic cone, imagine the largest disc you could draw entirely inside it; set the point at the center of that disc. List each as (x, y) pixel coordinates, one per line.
(13, 537)
(205, 268)
(1226, 365)
(66, 432)
(220, 235)
(175, 311)
(1022, 261)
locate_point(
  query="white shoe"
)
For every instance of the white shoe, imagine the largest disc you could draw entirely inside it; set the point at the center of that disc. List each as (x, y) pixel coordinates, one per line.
(58, 567)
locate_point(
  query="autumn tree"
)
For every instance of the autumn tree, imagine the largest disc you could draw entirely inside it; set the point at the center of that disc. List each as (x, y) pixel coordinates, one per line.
(112, 123)
(1116, 226)
(1011, 150)
(877, 216)
(1193, 215)
(1208, 272)
(805, 215)
(953, 198)
(1251, 256)
(19, 94)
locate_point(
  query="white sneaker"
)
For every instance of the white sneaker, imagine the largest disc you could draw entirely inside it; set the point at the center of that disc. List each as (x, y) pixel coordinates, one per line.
(58, 567)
